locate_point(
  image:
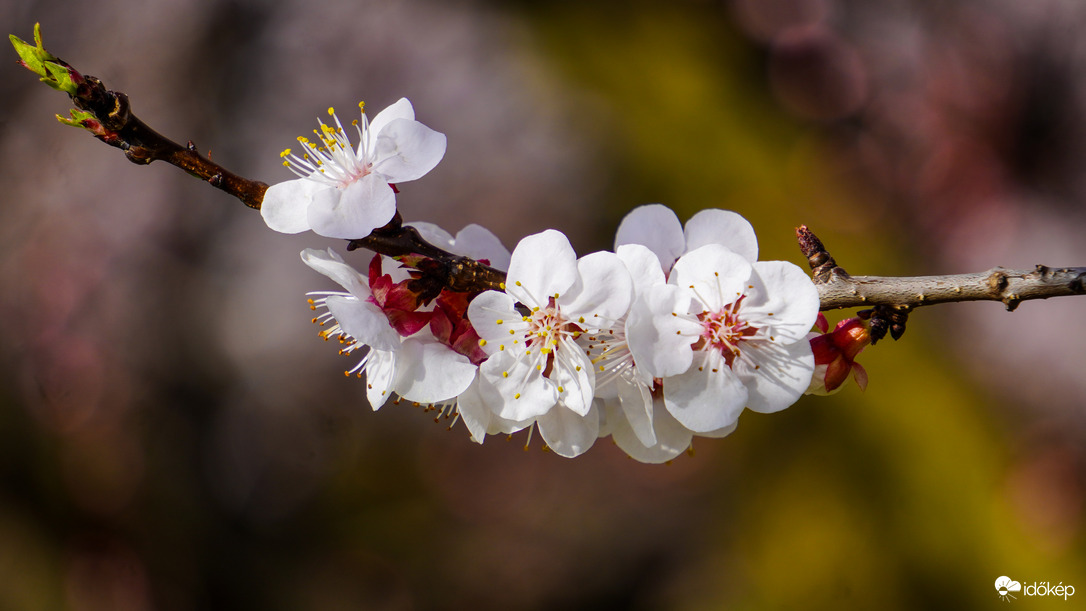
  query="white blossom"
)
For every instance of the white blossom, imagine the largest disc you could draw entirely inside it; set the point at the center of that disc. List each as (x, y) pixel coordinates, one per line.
(726, 334)
(346, 192)
(418, 367)
(535, 366)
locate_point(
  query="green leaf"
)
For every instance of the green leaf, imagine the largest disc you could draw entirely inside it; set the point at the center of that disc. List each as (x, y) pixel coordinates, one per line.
(50, 68)
(79, 119)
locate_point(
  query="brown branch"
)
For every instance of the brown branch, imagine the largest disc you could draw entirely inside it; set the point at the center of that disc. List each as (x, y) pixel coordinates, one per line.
(837, 289)
(117, 126)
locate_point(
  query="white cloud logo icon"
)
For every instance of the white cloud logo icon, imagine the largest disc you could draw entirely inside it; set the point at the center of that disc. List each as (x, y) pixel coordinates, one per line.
(1005, 585)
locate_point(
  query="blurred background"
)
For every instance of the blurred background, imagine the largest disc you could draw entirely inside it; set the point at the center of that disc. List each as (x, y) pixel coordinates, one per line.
(174, 435)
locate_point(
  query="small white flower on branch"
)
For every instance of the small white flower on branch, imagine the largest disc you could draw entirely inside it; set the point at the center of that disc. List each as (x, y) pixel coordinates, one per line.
(346, 192)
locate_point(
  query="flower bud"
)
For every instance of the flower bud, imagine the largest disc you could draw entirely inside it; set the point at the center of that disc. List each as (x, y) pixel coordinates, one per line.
(835, 355)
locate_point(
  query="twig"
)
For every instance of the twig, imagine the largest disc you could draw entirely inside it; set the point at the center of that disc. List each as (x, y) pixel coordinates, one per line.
(837, 289)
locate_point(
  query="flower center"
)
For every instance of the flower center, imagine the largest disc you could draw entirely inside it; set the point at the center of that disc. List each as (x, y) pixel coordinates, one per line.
(546, 326)
(724, 331)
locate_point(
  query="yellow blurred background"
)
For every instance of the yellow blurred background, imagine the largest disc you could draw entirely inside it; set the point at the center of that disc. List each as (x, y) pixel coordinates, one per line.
(173, 434)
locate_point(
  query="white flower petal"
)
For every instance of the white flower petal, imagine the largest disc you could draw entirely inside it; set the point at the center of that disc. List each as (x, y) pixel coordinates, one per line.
(541, 266)
(363, 321)
(331, 264)
(493, 315)
(642, 265)
(515, 390)
(656, 227)
(603, 294)
(380, 369)
(355, 211)
(407, 150)
(573, 373)
(719, 433)
(722, 227)
(659, 340)
(636, 402)
(568, 433)
(716, 275)
(431, 372)
(401, 109)
(285, 204)
(478, 242)
(783, 298)
(478, 417)
(433, 234)
(672, 438)
(702, 399)
(783, 374)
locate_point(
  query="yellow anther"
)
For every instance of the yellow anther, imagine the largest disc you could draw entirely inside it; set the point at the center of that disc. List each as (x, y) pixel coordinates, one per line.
(580, 319)
(512, 332)
(517, 283)
(284, 153)
(362, 107)
(516, 396)
(561, 389)
(482, 342)
(501, 285)
(505, 374)
(499, 321)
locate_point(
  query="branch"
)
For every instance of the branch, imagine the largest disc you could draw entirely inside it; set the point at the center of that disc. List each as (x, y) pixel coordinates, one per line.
(108, 115)
(837, 289)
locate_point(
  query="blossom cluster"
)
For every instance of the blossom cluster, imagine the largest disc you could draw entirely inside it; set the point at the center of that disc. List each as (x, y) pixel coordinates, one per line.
(670, 336)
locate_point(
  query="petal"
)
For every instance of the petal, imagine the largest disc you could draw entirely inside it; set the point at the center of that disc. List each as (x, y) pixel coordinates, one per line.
(473, 412)
(541, 266)
(568, 433)
(380, 370)
(574, 376)
(719, 433)
(329, 263)
(478, 242)
(708, 396)
(433, 234)
(364, 321)
(724, 227)
(401, 109)
(776, 374)
(783, 298)
(430, 372)
(493, 316)
(603, 294)
(717, 276)
(642, 265)
(656, 227)
(407, 150)
(659, 333)
(636, 402)
(515, 390)
(355, 211)
(478, 417)
(672, 438)
(285, 205)
(860, 375)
